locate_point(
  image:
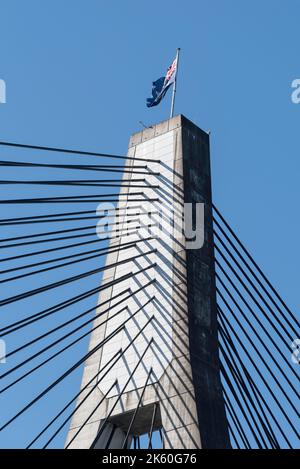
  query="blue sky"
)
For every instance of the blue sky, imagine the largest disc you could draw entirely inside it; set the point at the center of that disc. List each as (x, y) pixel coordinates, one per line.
(78, 75)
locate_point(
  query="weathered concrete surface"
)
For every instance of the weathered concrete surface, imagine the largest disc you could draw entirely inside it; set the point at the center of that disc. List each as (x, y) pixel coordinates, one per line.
(183, 354)
(201, 294)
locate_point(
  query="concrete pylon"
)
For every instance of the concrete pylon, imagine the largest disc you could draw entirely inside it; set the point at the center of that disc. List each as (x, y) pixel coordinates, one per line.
(167, 300)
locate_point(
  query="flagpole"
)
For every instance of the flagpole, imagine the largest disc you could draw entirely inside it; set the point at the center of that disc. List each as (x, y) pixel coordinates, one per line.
(174, 86)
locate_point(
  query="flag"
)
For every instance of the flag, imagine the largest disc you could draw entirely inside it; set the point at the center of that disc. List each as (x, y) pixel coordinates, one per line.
(161, 86)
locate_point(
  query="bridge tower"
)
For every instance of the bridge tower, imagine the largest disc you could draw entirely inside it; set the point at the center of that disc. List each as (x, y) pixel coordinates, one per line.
(154, 351)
